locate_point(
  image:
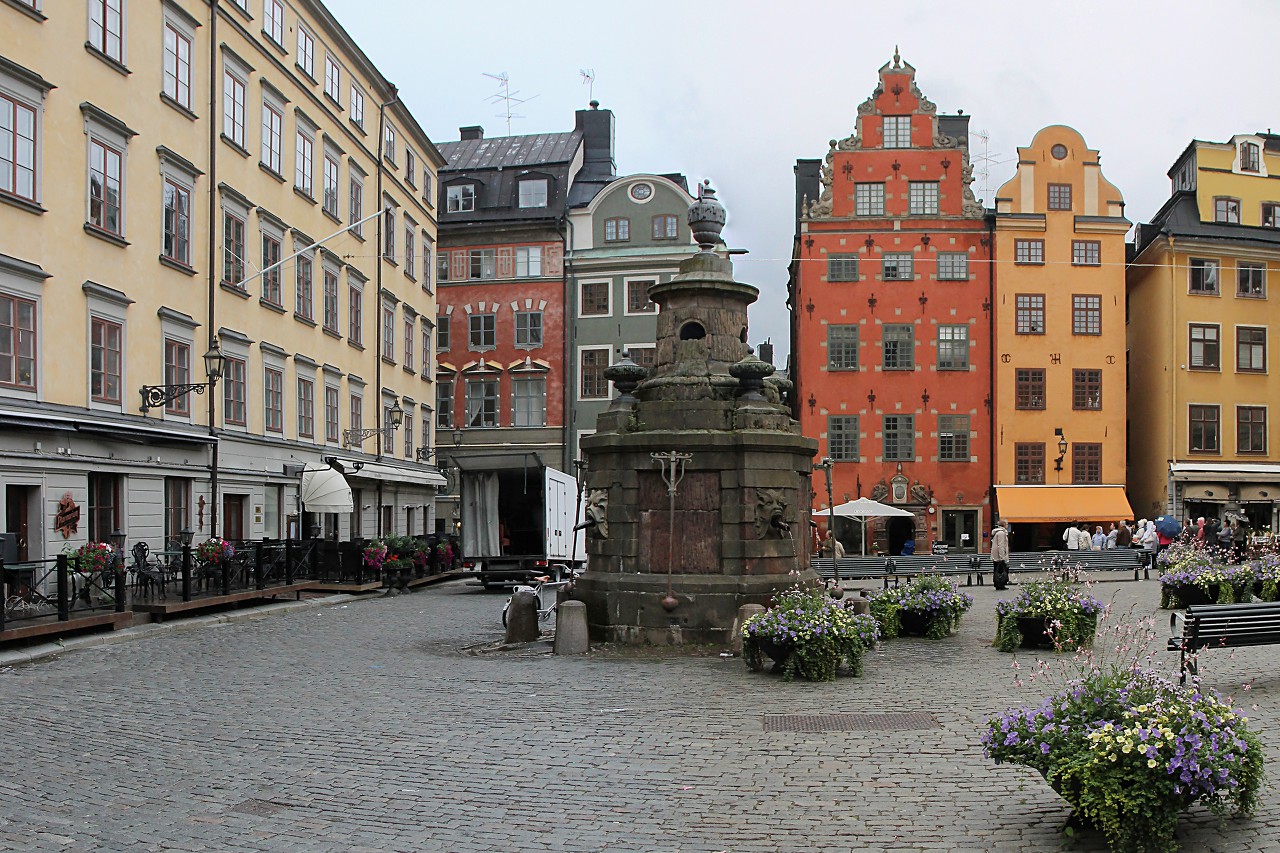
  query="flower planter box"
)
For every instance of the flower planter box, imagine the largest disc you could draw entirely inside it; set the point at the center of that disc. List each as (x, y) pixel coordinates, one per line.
(1035, 632)
(915, 623)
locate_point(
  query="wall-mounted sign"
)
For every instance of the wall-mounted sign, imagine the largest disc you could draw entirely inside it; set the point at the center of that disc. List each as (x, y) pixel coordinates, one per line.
(67, 519)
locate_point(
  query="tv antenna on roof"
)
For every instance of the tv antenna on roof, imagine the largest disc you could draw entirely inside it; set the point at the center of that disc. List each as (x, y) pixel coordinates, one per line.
(506, 97)
(983, 161)
(589, 80)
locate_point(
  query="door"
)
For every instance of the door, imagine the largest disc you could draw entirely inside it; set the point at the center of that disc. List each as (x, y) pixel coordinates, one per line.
(960, 529)
(561, 492)
(16, 517)
(233, 517)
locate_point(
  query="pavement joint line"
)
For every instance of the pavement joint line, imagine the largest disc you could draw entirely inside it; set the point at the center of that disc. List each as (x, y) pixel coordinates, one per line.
(30, 654)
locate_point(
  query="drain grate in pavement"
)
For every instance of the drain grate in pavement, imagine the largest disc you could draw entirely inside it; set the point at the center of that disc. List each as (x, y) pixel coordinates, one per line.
(905, 721)
(261, 808)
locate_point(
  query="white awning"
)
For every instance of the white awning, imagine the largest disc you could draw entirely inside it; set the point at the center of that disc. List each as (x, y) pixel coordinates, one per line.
(420, 476)
(325, 490)
(1226, 471)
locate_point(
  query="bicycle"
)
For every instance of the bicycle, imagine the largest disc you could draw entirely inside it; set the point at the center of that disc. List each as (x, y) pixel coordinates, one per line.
(544, 587)
(29, 603)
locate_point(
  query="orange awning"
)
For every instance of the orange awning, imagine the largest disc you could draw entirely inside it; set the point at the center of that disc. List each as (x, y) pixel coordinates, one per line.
(1031, 504)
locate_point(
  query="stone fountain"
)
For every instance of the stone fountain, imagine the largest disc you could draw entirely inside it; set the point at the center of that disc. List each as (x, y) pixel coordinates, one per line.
(698, 479)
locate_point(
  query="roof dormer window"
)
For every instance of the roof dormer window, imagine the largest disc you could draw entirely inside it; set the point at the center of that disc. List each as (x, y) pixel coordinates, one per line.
(460, 198)
(533, 192)
(1249, 157)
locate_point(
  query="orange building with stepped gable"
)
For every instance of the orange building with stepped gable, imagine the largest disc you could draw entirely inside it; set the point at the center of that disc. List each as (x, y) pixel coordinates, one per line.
(891, 296)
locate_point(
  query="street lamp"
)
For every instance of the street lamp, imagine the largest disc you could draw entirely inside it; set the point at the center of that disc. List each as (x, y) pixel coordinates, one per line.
(155, 396)
(352, 437)
(1062, 449)
(826, 465)
(185, 535)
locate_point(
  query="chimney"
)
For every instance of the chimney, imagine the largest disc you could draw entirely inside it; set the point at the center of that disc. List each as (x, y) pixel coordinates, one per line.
(596, 126)
(808, 182)
(475, 131)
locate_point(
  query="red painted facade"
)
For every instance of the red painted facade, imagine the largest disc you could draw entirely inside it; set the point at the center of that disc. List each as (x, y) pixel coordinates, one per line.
(503, 290)
(890, 295)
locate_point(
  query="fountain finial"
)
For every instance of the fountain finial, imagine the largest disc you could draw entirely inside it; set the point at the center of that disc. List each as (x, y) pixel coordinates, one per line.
(707, 217)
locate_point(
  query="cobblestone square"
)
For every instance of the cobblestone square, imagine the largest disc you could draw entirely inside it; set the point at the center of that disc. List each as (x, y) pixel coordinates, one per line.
(369, 726)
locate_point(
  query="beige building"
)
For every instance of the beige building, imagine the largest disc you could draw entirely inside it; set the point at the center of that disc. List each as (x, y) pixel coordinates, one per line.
(1201, 313)
(180, 173)
(1060, 397)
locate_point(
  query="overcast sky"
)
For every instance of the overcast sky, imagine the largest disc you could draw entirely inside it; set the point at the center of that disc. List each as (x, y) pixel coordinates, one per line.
(737, 91)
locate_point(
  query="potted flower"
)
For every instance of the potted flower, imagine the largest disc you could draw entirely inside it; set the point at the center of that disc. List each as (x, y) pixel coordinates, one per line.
(1051, 613)
(215, 551)
(375, 555)
(808, 634)
(1195, 575)
(1131, 750)
(929, 606)
(94, 558)
(1266, 576)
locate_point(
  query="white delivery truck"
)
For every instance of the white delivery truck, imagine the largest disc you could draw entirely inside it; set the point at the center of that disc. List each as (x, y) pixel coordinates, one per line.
(518, 522)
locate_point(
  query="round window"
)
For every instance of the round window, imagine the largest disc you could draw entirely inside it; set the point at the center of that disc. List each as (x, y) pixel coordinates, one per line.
(1059, 151)
(641, 192)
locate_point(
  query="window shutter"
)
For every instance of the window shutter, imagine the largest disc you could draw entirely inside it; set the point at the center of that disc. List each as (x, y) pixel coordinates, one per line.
(506, 262)
(553, 259)
(458, 265)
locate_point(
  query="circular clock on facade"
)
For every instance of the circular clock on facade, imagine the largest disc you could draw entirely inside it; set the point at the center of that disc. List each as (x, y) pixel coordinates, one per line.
(641, 192)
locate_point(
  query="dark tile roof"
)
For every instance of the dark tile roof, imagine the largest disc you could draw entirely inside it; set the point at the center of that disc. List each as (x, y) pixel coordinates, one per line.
(1180, 217)
(510, 151)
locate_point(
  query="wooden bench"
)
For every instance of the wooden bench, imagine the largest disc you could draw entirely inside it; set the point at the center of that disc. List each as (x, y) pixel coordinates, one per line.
(1222, 626)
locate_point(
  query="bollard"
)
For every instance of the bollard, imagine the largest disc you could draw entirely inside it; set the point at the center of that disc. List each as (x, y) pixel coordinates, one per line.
(859, 604)
(121, 590)
(258, 581)
(64, 589)
(571, 629)
(522, 618)
(745, 612)
(186, 572)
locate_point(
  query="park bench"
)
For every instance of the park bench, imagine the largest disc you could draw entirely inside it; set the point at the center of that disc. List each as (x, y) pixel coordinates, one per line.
(1109, 560)
(1222, 626)
(896, 569)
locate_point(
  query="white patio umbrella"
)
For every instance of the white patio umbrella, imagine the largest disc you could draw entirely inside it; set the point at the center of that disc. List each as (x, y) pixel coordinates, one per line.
(862, 509)
(325, 490)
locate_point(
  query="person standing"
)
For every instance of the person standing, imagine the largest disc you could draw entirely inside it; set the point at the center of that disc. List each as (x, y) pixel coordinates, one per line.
(1240, 540)
(1149, 542)
(1071, 536)
(1000, 554)
(1112, 535)
(831, 546)
(1099, 540)
(1200, 530)
(1224, 539)
(1124, 536)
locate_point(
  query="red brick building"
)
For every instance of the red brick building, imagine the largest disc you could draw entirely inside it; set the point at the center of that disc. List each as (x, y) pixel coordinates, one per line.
(890, 293)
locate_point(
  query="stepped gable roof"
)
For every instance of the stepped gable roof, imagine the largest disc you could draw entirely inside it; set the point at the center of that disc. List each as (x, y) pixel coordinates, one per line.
(505, 152)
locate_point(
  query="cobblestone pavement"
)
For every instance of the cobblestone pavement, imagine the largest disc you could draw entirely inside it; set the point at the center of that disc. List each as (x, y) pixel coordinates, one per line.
(370, 727)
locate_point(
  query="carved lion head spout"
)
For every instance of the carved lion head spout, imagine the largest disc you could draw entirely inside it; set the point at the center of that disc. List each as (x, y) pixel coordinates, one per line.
(596, 510)
(771, 514)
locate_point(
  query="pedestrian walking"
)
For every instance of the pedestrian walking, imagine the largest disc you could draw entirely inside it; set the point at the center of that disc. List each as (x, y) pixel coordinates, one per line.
(1000, 554)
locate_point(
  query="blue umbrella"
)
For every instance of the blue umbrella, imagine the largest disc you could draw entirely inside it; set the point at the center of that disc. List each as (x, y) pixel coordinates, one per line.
(1168, 526)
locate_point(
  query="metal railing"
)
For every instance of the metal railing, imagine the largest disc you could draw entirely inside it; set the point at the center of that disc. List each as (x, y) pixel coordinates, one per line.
(57, 589)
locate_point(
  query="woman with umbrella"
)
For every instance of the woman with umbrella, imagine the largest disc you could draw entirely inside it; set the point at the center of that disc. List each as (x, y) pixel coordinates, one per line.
(1167, 529)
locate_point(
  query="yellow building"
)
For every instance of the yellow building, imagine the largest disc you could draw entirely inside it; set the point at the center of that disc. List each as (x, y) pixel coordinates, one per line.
(1201, 313)
(186, 172)
(1059, 341)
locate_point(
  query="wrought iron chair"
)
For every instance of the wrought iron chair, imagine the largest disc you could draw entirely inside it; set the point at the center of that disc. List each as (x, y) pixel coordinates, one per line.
(147, 576)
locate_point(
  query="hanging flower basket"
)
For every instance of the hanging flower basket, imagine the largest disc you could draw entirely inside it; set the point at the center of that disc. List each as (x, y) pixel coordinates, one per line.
(94, 558)
(215, 551)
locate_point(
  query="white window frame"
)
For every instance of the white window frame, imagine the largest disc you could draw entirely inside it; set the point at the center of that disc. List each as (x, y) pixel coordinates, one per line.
(356, 110)
(355, 201)
(331, 175)
(582, 284)
(332, 78)
(626, 295)
(306, 58)
(304, 160)
(273, 20)
(235, 95)
(528, 258)
(389, 144)
(531, 199)
(99, 37)
(173, 65)
(460, 198)
(102, 130)
(272, 133)
(577, 391)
